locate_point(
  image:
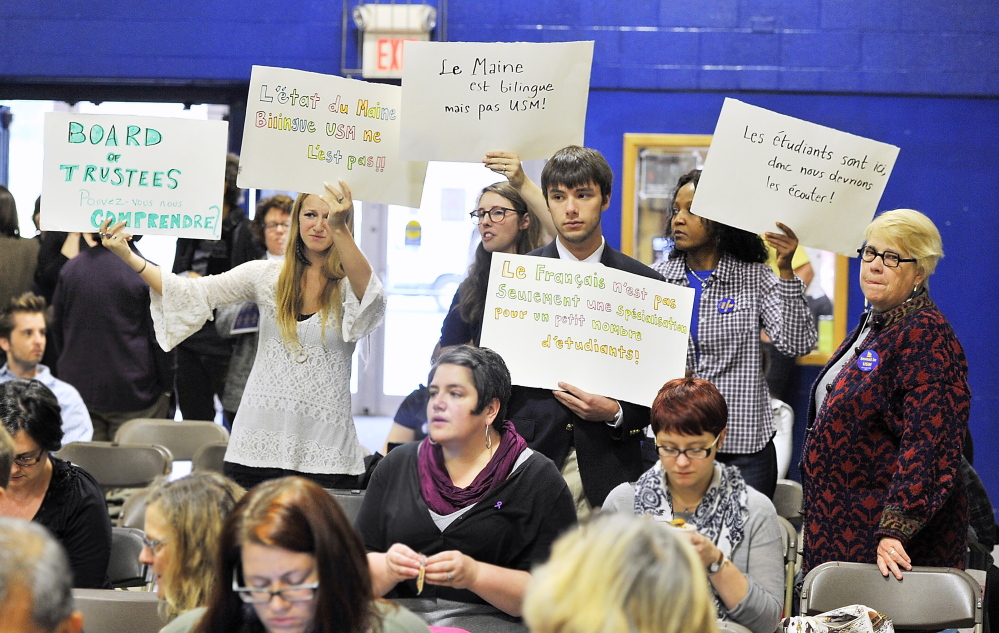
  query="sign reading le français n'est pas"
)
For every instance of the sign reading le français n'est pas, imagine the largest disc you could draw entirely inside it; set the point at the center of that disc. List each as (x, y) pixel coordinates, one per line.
(161, 176)
(603, 330)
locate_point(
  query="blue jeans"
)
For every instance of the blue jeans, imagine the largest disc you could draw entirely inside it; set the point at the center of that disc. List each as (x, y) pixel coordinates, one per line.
(759, 469)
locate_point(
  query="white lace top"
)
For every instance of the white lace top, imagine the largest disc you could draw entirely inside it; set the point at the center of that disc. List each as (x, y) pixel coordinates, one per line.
(295, 413)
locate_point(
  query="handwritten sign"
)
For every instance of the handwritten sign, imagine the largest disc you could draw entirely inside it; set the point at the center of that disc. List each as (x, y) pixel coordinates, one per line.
(303, 129)
(765, 167)
(463, 99)
(161, 176)
(601, 329)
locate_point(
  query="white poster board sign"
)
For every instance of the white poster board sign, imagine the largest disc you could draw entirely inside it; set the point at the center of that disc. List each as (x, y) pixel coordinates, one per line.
(303, 129)
(603, 330)
(764, 167)
(159, 175)
(463, 99)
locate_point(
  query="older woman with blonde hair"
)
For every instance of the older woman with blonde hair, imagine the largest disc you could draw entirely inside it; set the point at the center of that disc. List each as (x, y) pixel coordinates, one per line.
(620, 573)
(882, 454)
(184, 519)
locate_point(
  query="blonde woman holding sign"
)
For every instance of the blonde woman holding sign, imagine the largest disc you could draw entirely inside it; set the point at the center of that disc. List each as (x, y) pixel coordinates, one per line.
(294, 417)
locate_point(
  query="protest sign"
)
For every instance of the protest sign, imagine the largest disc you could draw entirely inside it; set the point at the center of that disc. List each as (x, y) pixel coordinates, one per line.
(603, 330)
(463, 99)
(764, 167)
(303, 129)
(161, 176)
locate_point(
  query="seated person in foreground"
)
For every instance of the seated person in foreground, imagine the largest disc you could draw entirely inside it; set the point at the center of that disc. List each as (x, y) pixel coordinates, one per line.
(289, 539)
(453, 524)
(620, 573)
(733, 528)
(47, 490)
(183, 522)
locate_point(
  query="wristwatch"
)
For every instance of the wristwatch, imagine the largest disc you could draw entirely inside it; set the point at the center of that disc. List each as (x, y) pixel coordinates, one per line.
(716, 566)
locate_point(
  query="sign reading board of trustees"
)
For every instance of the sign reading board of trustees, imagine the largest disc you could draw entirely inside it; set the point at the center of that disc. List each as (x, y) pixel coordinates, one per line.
(603, 330)
(303, 129)
(161, 176)
(764, 167)
(463, 99)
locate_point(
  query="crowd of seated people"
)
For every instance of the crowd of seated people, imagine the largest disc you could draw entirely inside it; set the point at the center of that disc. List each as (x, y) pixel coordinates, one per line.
(488, 514)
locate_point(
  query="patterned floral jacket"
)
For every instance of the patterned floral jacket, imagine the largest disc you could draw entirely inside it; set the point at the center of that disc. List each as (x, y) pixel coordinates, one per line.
(882, 456)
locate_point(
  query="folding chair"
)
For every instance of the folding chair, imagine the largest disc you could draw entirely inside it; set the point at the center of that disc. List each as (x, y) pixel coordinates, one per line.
(349, 500)
(926, 597)
(788, 501)
(108, 611)
(210, 457)
(119, 465)
(182, 438)
(133, 511)
(124, 568)
(790, 560)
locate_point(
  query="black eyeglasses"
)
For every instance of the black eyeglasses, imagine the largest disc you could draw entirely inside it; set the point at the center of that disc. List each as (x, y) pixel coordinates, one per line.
(673, 452)
(26, 461)
(496, 214)
(890, 258)
(263, 595)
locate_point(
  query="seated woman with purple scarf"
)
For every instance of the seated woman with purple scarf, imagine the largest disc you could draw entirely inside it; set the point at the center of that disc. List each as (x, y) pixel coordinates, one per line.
(453, 524)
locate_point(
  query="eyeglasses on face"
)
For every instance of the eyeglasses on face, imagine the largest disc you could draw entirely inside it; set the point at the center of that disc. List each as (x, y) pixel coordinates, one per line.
(263, 595)
(273, 226)
(26, 461)
(673, 452)
(890, 258)
(154, 545)
(496, 214)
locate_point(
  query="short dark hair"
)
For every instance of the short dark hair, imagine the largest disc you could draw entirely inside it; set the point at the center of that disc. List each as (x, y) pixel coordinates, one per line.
(29, 406)
(284, 203)
(9, 224)
(576, 166)
(6, 456)
(490, 376)
(742, 245)
(296, 514)
(689, 406)
(27, 303)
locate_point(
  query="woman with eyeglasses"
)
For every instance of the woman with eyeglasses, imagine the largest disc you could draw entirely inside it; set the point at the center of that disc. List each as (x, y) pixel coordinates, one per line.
(735, 296)
(290, 562)
(182, 526)
(295, 416)
(506, 226)
(888, 417)
(52, 492)
(733, 528)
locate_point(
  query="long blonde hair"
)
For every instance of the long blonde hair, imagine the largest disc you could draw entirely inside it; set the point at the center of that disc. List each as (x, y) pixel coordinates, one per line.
(620, 573)
(194, 507)
(289, 288)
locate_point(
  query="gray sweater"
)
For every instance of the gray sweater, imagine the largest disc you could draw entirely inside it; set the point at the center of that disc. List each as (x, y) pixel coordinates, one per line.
(760, 557)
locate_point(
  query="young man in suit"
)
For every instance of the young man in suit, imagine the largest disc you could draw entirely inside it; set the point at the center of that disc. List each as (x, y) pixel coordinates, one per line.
(595, 441)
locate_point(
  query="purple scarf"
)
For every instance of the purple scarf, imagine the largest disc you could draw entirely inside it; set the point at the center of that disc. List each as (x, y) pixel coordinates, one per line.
(442, 496)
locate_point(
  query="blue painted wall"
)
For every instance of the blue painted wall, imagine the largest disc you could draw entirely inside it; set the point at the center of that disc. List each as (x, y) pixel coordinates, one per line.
(921, 74)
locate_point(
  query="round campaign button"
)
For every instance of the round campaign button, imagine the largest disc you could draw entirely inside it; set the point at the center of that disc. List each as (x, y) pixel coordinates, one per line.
(868, 360)
(726, 305)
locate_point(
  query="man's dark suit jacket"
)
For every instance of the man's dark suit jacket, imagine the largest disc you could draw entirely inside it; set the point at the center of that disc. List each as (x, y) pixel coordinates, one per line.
(606, 456)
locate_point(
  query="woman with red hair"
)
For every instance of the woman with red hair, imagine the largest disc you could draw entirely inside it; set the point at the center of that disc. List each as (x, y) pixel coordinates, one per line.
(733, 528)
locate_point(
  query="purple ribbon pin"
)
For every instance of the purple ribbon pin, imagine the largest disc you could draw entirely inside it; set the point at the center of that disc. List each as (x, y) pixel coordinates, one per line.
(499, 505)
